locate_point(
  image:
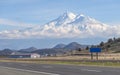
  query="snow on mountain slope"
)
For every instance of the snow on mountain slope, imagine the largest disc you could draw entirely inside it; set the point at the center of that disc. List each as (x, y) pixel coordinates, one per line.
(68, 25)
(66, 18)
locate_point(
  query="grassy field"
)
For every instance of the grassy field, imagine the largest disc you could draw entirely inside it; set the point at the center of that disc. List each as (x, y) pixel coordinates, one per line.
(112, 60)
(65, 62)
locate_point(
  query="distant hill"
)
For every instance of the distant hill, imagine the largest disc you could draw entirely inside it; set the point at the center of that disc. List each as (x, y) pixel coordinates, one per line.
(58, 49)
(50, 51)
(74, 45)
(6, 52)
(28, 50)
(60, 46)
(70, 46)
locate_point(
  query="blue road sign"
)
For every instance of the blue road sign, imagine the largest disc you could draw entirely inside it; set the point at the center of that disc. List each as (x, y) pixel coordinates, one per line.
(95, 50)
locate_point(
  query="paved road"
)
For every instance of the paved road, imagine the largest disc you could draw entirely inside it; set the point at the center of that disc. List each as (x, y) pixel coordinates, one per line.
(13, 71)
(47, 69)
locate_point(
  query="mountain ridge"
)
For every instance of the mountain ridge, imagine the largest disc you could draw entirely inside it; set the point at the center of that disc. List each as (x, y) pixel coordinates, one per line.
(70, 46)
(59, 45)
(54, 50)
(28, 50)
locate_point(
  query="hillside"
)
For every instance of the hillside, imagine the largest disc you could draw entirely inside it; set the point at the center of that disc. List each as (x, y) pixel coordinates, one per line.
(60, 46)
(112, 45)
(5, 52)
(70, 46)
(74, 46)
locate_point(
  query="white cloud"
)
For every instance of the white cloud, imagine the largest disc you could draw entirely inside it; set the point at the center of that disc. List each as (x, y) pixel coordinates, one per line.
(63, 32)
(14, 23)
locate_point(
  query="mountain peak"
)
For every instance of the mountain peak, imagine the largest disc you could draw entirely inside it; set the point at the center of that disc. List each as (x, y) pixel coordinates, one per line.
(74, 43)
(69, 15)
(84, 20)
(65, 18)
(60, 45)
(71, 18)
(82, 15)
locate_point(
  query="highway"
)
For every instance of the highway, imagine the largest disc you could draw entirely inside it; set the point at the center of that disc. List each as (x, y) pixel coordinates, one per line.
(54, 69)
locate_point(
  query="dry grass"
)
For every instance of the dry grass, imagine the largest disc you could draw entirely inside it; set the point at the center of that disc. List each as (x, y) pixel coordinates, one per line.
(102, 56)
(74, 60)
(50, 61)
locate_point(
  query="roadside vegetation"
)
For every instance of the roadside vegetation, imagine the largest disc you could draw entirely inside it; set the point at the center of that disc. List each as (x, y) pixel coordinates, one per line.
(66, 62)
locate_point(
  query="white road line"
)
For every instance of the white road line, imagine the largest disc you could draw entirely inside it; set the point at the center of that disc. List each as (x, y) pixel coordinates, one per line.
(91, 70)
(30, 71)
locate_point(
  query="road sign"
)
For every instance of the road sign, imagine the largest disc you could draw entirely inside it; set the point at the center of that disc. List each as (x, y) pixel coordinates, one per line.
(95, 50)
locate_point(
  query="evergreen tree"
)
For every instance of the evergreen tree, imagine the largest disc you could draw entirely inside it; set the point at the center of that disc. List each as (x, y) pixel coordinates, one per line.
(110, 40)
(87, 48)
(102, 44)
(79, 49)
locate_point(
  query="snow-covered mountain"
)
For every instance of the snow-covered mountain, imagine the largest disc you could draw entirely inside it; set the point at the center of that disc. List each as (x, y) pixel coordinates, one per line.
(68, 25)
(71, 18)
(72, 25)
(80, 21)
(64, 19)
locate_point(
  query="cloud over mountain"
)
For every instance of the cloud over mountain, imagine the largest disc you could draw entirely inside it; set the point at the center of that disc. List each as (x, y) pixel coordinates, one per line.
(14, 23)
(68, 25)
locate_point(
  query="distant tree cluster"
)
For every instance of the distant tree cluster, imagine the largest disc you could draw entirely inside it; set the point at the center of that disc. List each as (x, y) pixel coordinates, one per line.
(105, 46)
(108, 44)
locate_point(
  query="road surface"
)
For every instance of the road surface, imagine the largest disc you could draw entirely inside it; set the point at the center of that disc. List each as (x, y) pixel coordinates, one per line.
(52, 69)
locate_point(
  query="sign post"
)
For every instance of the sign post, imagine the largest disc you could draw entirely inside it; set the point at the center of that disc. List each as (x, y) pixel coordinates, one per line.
(95, 50)
(97, 55)
(91, 56)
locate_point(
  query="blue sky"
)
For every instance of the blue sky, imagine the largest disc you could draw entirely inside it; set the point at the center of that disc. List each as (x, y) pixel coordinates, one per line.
(43, 11)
